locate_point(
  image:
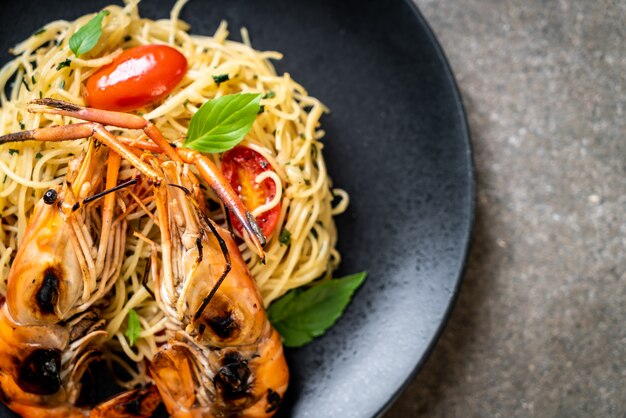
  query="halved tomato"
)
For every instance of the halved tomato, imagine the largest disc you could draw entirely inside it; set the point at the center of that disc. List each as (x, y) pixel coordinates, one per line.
(241, 165)
(137, 77)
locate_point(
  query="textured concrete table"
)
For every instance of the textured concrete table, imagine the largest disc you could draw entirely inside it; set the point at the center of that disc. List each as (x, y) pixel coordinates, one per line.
(539, 327)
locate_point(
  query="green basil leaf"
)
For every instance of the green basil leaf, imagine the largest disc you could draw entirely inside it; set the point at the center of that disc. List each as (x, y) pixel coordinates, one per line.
(302, 315)
(221, 123)
(87, 37)
(133, 327)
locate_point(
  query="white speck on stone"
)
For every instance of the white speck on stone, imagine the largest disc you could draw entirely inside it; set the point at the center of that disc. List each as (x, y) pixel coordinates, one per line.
(593, 199)
(604, 392)
(530, 406)
(514, 140)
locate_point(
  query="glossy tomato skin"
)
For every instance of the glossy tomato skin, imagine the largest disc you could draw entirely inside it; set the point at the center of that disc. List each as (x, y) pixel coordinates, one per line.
(241, 165)
(137, 77)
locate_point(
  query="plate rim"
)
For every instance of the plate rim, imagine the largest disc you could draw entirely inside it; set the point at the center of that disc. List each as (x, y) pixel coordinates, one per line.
(471, 214)
(469, 210)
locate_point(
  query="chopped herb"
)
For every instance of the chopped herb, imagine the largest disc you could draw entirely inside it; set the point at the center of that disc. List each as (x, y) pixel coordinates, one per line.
(13, 151)
(133, 327)
(64, 64)
(221, 123)
(285, 237)
(127, 38)
(32, 78)
(39, 32)
(22, 126)
(38, 155)
(87, 36)
(71, 72)
(261, 109)
(263, 164)
(220, 78)
(40, 94)
(25, 84)
(302, 315)
(270, 94)
(62, 84)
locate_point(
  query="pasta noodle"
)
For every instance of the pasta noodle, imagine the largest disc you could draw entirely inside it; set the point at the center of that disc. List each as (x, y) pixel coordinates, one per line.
(286, 133)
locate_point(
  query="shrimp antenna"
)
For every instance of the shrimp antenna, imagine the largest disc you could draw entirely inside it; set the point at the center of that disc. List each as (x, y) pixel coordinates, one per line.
(229, 224)
(104, 193)
(178, 186)
(224, 248)
(144, 280)
(111, 190)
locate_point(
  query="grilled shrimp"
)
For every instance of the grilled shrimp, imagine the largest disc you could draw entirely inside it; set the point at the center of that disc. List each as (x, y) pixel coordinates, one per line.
(97, 118)
(49, 326)
(225, 359)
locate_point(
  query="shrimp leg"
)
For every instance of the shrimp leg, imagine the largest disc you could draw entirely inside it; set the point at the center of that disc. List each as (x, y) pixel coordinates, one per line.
(207, 169)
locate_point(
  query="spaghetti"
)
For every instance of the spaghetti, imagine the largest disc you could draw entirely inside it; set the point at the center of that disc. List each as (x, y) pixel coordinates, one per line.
(286, 133)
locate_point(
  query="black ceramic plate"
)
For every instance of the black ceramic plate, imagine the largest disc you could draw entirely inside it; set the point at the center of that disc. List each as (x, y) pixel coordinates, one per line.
(396, 141)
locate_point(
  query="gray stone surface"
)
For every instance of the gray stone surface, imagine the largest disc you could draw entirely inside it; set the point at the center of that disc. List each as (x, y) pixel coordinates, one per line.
(538, 329)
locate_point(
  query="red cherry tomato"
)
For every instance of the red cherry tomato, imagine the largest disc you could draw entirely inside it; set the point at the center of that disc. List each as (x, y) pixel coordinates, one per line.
(241, 165)
(137, 77)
